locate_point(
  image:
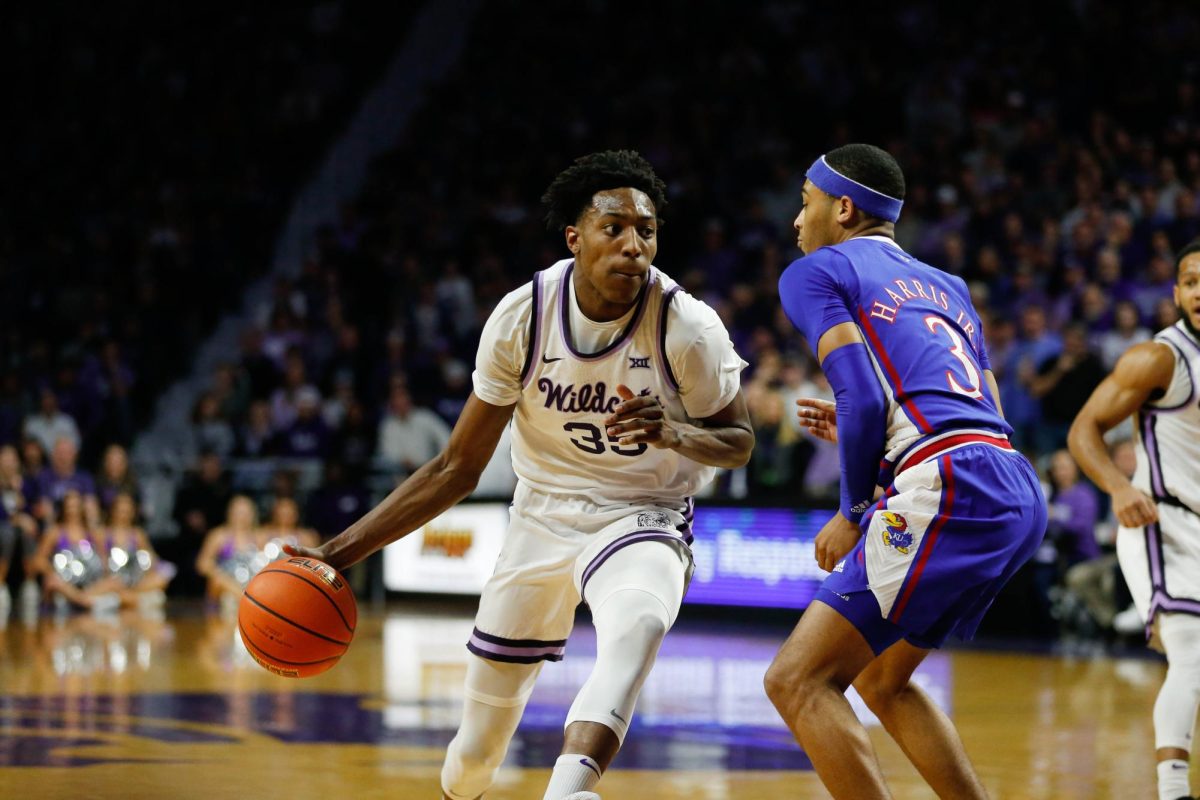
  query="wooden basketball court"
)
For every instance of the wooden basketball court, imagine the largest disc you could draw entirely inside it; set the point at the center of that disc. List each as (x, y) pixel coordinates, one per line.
(132, 707)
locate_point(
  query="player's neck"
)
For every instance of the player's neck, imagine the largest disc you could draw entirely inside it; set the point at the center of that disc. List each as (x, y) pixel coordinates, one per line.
(593, 306)
(872, 228)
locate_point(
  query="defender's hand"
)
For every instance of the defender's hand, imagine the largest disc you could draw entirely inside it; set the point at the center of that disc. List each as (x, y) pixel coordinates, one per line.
(641, 418)
(837, 538)
(1133, 508)
(818, 417)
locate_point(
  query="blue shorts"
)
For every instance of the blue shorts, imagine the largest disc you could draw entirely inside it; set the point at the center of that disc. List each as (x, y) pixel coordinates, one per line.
(938, 547)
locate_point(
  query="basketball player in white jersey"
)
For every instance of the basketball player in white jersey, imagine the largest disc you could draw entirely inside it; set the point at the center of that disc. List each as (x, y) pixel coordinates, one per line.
(1158, 543)
(625, 396)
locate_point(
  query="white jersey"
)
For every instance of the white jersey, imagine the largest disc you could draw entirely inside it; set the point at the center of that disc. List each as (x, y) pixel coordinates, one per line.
(1161, 562)
(534, 351)
(1168, 467)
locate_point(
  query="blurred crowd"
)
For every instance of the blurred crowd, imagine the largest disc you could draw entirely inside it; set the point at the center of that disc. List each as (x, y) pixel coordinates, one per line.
(1055, 179)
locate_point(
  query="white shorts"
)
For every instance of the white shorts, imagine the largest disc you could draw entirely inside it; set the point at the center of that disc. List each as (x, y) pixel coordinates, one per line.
(1161, 563)
(555, 544)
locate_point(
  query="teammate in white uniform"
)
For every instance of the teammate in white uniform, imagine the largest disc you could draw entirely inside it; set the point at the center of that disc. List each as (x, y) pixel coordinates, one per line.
(1158, 543)
(625, 396)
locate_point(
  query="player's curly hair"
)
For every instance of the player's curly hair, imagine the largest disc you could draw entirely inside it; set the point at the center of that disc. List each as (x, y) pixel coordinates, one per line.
(869, 165)
(570, 194)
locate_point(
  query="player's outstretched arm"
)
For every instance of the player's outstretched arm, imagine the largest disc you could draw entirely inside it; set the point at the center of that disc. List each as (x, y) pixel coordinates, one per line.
(1144, 371)
(724, 439)
(439, 484)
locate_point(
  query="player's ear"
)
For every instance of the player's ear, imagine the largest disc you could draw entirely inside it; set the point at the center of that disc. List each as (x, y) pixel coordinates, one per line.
(844, 213)
(572, 236)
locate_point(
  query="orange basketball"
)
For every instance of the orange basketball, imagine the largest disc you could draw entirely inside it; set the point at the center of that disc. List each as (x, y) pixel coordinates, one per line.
(297, 617)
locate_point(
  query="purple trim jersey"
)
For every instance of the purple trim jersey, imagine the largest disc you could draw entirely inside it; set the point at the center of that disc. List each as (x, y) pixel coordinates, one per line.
(923, 334)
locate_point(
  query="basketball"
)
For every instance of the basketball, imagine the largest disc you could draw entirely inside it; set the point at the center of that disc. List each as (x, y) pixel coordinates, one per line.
(297, 617)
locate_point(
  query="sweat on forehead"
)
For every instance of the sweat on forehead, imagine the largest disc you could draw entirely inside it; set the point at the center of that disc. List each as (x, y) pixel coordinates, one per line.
(623, 202)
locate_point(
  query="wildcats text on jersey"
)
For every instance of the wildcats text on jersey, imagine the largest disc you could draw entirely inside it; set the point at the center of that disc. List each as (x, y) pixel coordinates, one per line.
(589, 398)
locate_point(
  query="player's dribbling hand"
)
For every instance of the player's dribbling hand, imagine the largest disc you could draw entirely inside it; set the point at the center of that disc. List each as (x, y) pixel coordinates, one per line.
(1133, 508)
(316, 553)
(818, 417)
(837, 538)
(640, 418)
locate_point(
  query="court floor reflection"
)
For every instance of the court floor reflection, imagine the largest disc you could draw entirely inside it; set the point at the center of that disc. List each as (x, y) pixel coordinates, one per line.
(135, 707)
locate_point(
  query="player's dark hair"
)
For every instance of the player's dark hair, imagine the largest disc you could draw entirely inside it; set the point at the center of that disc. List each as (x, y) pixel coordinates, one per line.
(571, 192)
(1191, 247)
(869, 165)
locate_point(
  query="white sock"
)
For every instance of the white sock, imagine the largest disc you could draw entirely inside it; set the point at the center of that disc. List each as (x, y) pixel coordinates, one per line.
(1173, 779)
(573, 773)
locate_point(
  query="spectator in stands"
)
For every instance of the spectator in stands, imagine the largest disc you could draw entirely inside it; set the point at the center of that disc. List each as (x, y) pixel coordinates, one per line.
(333, 411)
(1157, 286)
(1096, 581)
(295, 380)
(211, 432)
(308, 436)
(1070, 534)
(283, 337)
(16, 521)
(354, 443)
(256, 439)
(337, 503)
(1126, 332)
(408, 435)
(1064, 383)
(231, 388)
(110, 379)
(64, 475)
(50, 424)
(200, 504)
(349, 361)
(115, 478)
(456, 386)
(769, 470)
(258, 368)
(1036, 344)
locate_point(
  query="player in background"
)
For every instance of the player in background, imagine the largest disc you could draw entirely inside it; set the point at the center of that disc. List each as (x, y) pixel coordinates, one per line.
(916, 412)
(624, 393)
(1158, 541)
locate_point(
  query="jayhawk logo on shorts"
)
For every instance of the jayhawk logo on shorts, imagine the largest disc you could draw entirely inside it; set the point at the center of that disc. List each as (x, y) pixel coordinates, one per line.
(896, 533)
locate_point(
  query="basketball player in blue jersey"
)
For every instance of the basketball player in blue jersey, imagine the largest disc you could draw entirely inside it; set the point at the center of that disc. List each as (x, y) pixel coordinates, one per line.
(624, 395)
(917, 413)
(1158, 542)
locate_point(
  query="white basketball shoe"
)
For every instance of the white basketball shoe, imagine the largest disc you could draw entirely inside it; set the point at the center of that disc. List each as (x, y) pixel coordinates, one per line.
(582, 796)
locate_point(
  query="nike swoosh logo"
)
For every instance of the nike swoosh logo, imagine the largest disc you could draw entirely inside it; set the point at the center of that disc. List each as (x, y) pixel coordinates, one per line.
(587, 763)
(613, 711)
(551, 360)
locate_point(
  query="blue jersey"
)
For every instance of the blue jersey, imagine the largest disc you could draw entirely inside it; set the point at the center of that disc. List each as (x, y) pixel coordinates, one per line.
(923, 334)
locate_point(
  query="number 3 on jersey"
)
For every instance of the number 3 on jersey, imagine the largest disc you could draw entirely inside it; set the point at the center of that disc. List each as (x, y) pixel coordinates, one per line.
(974, 379)
(592, 443)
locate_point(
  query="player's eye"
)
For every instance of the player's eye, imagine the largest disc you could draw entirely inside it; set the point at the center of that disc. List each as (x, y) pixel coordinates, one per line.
(647, 233)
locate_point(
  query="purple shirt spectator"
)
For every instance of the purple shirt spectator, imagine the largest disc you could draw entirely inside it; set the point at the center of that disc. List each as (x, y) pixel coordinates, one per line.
(53, 485)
